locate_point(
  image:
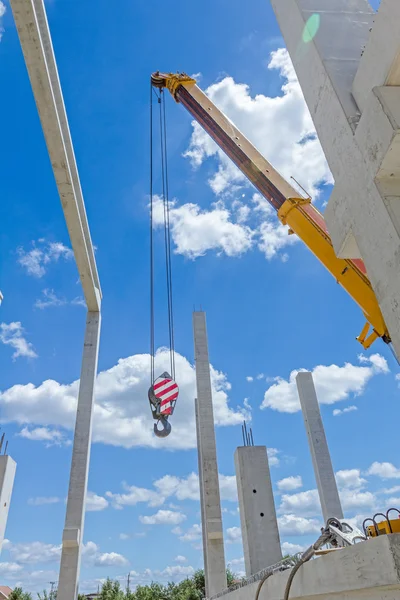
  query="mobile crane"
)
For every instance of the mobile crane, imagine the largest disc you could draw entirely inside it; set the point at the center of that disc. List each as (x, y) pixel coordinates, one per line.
(297, 212)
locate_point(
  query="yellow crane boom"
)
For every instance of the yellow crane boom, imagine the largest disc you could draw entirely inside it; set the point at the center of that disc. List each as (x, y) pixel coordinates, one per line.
(301, 216)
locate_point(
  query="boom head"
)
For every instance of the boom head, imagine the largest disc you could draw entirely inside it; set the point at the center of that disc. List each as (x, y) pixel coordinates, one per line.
(171, 81)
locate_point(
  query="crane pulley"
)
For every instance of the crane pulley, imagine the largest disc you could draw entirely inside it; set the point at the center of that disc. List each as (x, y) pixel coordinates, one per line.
(163, 391)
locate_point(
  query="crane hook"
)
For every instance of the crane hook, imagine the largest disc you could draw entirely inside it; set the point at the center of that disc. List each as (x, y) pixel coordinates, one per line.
(163, 395)
(162, 433)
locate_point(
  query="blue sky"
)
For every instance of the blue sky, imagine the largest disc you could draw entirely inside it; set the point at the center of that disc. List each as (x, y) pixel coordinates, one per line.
(271, 308)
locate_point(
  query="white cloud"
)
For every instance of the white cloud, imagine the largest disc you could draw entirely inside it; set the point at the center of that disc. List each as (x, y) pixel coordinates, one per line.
(289, 548)
(52, 437)
(92, 556)
(384, 470)
(2, 12)
(176, 572)
(163, 517)
(193, 534)
(350, 478)
(195, 231)
(338, 411)
(12, 334)
(249, 378)
(332, 383)
(290, 483)
(233, 535)
(273, 458)
(36, 260)
(124, 536)
(303, 503)
(180, 559)
(41, 500)
(110, 559)
(121, 415)
(95, 503)
(10, 570)
(393, 490)
(307, 504)
(33, 552)
(273, 237)
(49, 299)
(265, 121)
(293, 525)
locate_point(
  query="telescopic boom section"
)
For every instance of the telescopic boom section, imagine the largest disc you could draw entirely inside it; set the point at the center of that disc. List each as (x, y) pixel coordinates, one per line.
(298, 213)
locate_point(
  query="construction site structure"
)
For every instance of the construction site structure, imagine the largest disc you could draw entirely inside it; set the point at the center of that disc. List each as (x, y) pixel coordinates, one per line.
(321, 458)
(347, 61)
(210, 501)
(8, 467)
(259, 525)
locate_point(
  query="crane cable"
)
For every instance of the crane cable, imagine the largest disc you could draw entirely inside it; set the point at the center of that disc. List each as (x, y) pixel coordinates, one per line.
(167, 231)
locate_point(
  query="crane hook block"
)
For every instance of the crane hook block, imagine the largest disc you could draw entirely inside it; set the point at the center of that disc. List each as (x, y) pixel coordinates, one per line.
(163, 395)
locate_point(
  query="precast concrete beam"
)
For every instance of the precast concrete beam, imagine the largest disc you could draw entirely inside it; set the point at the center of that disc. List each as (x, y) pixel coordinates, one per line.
(8, 467)
(260, 534)
(321, 458)
(213, 541)
(380, 62)
(366, 571)
(34, 35)
(75, 516)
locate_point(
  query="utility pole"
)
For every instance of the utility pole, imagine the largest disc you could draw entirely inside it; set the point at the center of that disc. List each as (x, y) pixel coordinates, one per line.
(52, 583)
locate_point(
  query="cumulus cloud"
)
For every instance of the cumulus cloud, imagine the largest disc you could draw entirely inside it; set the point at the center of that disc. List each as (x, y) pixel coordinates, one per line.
(49, 298)
(171, 486)
(121, 414)
(291, 524)
(307, 504)
(333, 384)
(233, 535)
(193, 534)
(163, 517)
(265, 121)
(51, 437)
(289, 548)
(36, 260)
(95, 503)
(338, 411)
(12, 334)
(384, 470)
(350, 478)
(195, 231)
(180, 559)
(289, 484)
(2, 12)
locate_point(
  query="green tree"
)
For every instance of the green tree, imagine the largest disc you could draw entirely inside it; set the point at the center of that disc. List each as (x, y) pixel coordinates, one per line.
(230, 577)
(19, 594)
(111, 590)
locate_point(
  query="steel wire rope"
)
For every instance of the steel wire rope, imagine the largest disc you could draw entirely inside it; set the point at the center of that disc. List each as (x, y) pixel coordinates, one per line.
(151, 244)
(166, 229)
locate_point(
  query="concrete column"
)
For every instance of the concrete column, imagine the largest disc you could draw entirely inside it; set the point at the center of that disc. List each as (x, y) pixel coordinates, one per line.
(8, 467)
(213, 542)
(325, 40)
(326, 482)
(75, 516)
(260, 534)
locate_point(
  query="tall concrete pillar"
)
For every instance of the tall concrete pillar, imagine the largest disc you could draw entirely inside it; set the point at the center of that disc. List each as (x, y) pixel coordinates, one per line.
(8, 467)
(326, 482)
(260, 534)
(75, 518)
(213, 542)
